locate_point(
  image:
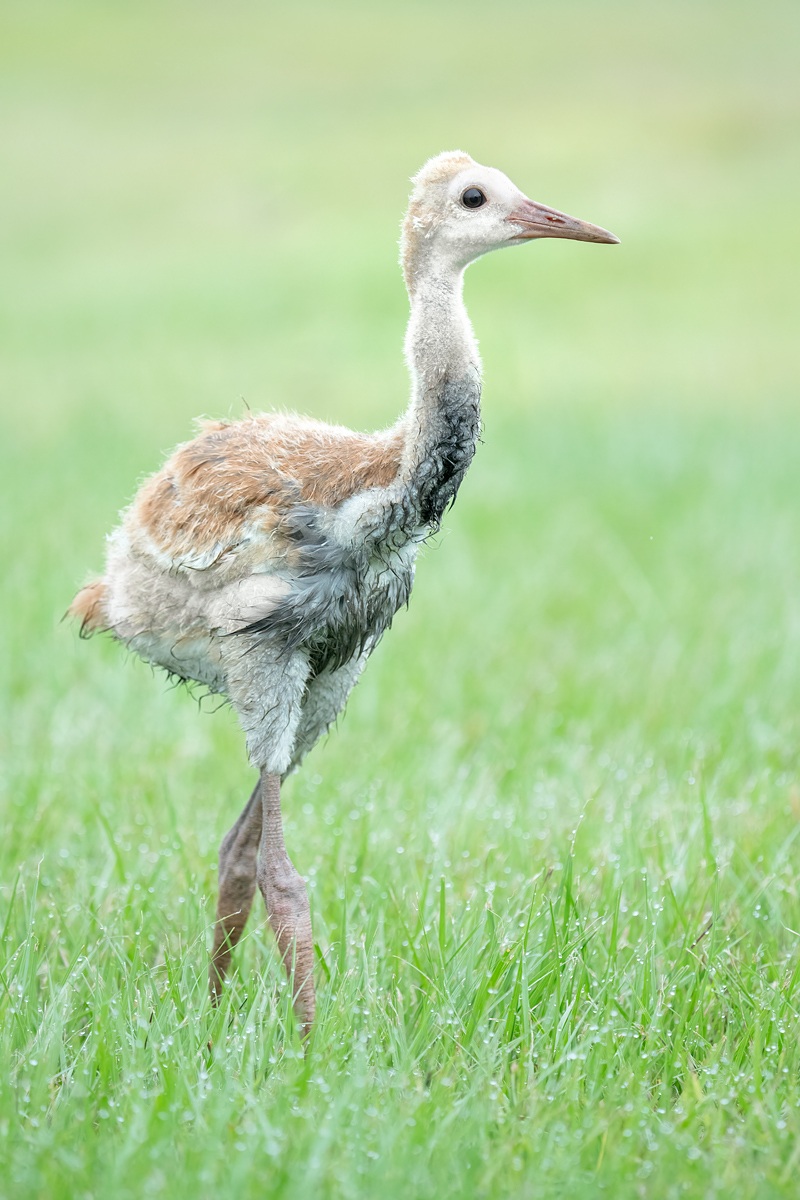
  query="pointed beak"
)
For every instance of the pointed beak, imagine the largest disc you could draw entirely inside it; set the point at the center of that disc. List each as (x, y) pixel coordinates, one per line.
(534, 220)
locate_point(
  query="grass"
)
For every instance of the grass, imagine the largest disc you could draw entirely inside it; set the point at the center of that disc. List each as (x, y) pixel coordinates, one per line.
(552, 848)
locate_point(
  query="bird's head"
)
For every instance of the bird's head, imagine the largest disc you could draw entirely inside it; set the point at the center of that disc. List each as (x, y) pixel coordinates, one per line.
(460, 210)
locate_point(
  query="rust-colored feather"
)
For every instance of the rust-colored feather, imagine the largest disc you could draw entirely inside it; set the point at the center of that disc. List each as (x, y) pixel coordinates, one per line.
(255, 470)
(88, 607)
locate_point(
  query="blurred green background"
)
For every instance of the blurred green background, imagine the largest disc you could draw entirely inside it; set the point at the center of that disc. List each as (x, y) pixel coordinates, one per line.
(199, 213)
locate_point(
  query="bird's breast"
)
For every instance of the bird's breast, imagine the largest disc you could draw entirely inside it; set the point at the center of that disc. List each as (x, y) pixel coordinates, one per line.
(342, 598)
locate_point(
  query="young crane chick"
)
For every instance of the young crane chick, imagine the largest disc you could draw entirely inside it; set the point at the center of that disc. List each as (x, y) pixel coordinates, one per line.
(268, 556)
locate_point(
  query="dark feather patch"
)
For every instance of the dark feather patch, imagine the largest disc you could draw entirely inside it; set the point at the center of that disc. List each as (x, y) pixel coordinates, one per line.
(341, 601)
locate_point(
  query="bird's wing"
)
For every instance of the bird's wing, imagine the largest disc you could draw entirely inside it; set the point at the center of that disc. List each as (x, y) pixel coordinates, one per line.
(221, 502)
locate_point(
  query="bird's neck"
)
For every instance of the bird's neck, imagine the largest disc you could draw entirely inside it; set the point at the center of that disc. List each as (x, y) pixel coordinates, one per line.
(442, 423)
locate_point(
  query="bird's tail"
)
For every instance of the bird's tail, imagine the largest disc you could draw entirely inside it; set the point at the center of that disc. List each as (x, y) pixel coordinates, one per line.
(89, 607)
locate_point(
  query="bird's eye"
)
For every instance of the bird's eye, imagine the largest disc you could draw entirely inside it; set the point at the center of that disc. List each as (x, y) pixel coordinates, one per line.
(473, 198)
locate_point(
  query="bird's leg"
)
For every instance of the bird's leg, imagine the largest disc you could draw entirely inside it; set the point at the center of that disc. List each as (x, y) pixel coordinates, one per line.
(238, 855)
(287, 904)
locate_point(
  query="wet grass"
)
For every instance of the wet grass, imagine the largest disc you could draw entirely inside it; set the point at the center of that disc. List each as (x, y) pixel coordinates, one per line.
(552, 848)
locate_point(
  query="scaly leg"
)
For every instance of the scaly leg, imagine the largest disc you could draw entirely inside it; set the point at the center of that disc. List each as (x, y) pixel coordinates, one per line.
(237, 885)
(286, 899)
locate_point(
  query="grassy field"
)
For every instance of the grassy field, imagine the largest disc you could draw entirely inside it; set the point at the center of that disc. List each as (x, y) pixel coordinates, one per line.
(553, 847)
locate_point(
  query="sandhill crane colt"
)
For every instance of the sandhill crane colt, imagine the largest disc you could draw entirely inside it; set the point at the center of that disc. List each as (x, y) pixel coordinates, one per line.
(268, 556)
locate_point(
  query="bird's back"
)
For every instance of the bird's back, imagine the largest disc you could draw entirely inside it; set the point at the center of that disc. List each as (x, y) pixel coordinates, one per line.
(236, 481)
